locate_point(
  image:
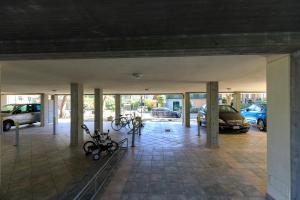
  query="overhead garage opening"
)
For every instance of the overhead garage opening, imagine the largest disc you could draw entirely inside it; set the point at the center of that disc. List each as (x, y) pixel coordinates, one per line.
(165, 83)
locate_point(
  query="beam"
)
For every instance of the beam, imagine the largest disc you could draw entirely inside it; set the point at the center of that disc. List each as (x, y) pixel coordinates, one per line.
(147, 46)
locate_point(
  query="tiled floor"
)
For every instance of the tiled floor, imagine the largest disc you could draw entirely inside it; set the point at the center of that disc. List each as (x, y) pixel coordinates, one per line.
(43, 166)
(163, 165)
(176, 165)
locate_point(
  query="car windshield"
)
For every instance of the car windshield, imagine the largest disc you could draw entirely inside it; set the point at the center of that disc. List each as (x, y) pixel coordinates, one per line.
(227, 109)
(222, 109)
(263, 106)
(8, 108)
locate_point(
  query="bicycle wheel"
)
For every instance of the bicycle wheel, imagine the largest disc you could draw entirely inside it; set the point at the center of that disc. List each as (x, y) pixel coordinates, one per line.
(116, 124)
(88, 147)
(113, 146)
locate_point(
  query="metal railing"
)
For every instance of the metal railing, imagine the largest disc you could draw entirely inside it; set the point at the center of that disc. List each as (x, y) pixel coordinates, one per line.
(96, 183)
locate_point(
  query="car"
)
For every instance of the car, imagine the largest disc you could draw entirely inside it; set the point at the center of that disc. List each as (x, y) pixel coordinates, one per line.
(229, 119)
(22, 113)
(165, 113)
(256, 114)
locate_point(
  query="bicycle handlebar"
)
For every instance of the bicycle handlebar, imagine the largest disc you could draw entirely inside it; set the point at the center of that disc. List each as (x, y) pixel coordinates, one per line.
(83, 126)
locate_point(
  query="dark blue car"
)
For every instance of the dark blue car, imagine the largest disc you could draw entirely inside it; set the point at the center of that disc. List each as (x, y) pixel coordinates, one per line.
(256, 115)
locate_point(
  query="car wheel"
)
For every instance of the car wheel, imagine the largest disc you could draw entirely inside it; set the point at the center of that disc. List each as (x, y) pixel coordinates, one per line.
(7, 126)
(261, 125)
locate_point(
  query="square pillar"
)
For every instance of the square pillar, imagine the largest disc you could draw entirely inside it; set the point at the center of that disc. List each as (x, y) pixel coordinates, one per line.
(54, 98)
(117, 105)
(44, 110)
(283, 149)
(3, 100)
(237, 101)
(76, 133)
(1, 123)
(98, 109)
(295, 126)
(212, 115)
(187, 108)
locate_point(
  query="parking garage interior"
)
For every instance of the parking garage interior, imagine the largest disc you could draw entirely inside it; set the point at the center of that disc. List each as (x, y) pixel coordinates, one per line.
(88, 51)
(170, 160)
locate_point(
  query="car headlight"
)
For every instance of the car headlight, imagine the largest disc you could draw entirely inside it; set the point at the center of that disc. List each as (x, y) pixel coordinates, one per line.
(245, 121)
(221, 121)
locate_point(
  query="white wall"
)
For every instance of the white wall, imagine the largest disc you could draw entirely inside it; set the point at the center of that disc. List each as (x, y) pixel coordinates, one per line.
(278, 156)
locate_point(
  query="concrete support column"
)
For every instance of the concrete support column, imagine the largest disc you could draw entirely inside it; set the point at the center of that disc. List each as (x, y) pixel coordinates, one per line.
(54, 98)
(117, 106)
(98, 109)
(237, 101)
(44, 110)
(1, 123)
(212, 118)
(3, 100)
(295, 126)
(283, 89)
(187, 108)
(76, 134)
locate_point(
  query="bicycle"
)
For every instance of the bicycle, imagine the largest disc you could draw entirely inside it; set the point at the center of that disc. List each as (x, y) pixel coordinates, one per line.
(121, 122)
(101, 143)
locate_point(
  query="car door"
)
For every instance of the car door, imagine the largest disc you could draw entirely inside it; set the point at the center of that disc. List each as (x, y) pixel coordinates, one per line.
(31, 114)
(260, 112)
(167, 113)
(37, 112)
(160, 113)
(251, 114)
(22, 115)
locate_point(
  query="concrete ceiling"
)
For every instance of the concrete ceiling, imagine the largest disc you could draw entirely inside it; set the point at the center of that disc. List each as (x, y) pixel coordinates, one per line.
(65, 19)
(76, 26)
(160, 74)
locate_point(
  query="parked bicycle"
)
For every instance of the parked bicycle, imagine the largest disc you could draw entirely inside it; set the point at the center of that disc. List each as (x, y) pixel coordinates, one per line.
(102, 142)
(122, 122)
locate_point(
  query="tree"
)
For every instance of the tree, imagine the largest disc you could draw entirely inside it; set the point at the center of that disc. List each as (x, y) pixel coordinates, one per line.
(62, 105)
(161, 100)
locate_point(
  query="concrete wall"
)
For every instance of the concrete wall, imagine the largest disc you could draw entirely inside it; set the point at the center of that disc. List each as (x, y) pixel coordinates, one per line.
(278, 147)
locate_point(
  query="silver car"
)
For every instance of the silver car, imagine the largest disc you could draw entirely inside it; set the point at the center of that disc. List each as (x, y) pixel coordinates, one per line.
(22, 113)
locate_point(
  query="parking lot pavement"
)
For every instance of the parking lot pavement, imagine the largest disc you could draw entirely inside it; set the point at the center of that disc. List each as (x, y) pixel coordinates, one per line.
(168, 162)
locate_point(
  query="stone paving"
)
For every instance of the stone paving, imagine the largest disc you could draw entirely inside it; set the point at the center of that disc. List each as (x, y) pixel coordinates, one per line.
(176, 165)
(44, 166)
(163, 165)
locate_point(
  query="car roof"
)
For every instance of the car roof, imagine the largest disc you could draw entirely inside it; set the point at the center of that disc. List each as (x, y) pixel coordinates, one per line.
(20, 104)
(204, 105)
